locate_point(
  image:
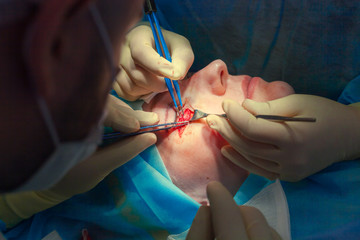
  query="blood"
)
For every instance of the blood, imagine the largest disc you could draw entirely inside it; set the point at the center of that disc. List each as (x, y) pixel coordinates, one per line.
(188, 114)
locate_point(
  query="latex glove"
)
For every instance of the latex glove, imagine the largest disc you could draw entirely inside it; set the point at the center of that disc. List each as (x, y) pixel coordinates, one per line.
(225, 220)
(83, 177)
(143, 70)
(289, 150)
(121, 117)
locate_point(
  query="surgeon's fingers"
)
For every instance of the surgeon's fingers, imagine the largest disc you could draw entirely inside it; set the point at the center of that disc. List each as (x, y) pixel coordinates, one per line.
(256, 225)
(122, 117)
(125, 88)
(201, 228)
(286, 106)
(226, 218)
(148, 80)
(138, 74)
(256, 129)
(181, 53)
(242, 144)
(244, 163)
(143, 52)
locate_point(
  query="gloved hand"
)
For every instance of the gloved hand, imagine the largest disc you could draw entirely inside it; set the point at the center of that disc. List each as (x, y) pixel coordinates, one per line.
(289, 150)
(225, 220)
(121, 117)
(143, 70)
(85, 175)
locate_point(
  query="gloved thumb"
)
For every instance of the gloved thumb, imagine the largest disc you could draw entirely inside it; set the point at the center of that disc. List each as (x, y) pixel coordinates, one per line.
(182, 55)
(121, 117)
(286, 106)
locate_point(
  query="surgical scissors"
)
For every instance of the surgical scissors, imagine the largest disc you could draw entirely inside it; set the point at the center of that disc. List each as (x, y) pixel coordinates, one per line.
(200, 114)
(145, 129)
(150, 9)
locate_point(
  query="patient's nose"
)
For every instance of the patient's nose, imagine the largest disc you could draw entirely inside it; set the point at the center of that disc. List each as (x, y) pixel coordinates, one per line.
(217, 75)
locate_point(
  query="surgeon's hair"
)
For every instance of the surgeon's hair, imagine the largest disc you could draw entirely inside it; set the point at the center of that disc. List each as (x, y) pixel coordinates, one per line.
(13, 10)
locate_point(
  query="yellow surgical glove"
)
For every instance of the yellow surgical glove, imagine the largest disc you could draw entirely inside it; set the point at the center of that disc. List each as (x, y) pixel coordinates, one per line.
(121, 117)
(143, 70)
(83, 177)
(289, 150)
(223, 219)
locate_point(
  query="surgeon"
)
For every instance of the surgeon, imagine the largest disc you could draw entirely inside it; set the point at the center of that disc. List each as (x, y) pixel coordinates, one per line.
(58, 64)
(48, 125)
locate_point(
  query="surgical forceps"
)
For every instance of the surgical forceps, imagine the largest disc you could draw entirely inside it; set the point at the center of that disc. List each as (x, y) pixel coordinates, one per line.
(150, 9)
(200, 114)
(145, 129)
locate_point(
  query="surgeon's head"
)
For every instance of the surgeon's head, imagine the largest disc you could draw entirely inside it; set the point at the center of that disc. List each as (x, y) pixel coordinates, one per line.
(192, 154)
(54, 49)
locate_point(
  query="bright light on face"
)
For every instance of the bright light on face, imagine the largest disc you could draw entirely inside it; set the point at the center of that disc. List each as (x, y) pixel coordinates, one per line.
(191, 153)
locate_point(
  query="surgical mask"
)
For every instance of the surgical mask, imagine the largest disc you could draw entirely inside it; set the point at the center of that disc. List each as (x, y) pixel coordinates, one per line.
(68, 154)
(272, 203)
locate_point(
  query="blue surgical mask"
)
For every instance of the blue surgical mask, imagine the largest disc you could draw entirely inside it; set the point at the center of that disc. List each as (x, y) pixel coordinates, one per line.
(68, 154)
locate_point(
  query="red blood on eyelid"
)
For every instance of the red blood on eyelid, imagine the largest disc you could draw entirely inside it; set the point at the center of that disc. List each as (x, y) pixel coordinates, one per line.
(186, 116)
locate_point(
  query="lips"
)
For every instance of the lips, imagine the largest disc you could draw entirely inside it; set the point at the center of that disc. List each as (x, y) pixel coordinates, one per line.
(247, 86)
(251, 87)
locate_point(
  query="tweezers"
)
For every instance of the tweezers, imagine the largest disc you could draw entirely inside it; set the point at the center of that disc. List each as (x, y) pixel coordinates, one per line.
(150, 9)
(200, 114)
(145, 129)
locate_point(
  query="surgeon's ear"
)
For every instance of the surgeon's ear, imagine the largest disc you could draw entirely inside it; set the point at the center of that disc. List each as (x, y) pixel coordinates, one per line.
(45, 41)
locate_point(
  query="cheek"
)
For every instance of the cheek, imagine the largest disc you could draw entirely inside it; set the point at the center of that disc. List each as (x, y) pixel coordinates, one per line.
(195, 159)
(207, 101)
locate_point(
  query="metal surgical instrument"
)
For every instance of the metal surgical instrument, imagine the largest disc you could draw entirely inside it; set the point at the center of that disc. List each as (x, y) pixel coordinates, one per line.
(150, 9)
(200, 114)
(145, 129)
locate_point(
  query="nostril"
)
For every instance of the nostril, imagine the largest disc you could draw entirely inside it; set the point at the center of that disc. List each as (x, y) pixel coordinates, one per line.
(222, 71)
(217, 75)
(223, 76)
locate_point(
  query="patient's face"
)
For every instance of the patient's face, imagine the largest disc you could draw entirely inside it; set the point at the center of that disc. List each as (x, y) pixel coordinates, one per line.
(191, 154)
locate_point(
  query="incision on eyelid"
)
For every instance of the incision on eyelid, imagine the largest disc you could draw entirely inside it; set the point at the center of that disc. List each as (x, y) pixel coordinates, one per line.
(188, 113)
(186, 116)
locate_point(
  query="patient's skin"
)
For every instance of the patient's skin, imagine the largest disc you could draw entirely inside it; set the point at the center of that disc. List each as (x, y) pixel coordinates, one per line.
(192, 154)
